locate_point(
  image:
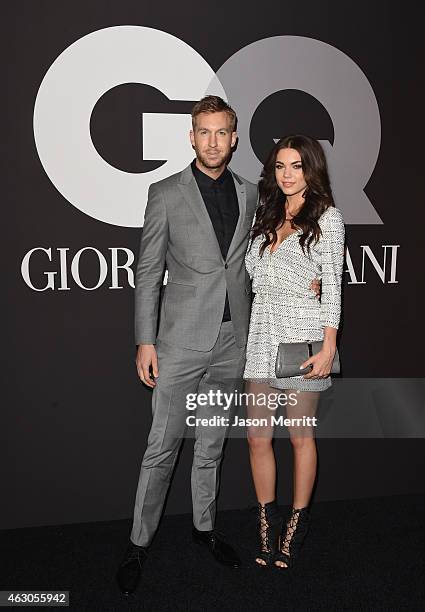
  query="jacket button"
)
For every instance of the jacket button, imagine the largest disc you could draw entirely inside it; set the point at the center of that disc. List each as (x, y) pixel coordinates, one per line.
(226, 266)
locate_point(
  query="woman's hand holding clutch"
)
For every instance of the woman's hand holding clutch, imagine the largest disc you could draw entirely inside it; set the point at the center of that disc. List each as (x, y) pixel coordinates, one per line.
(321, 362)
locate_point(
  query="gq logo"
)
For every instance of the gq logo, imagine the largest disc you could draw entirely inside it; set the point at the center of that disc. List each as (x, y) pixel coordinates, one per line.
(104, 59)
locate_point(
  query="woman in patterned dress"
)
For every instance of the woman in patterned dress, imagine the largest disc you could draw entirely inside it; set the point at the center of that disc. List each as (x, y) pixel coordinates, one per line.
(298, 235)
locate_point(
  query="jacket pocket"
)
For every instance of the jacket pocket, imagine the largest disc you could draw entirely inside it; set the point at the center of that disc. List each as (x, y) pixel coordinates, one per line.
(180, 291)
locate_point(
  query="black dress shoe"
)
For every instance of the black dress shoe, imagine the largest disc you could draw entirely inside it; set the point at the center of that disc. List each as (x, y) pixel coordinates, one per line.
(220, 550)
(129, 571)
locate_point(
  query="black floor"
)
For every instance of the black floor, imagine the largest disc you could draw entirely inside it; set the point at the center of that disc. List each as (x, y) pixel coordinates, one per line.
(359, 555)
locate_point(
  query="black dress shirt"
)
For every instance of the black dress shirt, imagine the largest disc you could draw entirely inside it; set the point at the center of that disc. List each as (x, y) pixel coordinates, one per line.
(221, 202)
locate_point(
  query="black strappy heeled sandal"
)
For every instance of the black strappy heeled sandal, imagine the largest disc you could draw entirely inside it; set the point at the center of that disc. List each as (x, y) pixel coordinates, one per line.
(270, 525)
(291, 541)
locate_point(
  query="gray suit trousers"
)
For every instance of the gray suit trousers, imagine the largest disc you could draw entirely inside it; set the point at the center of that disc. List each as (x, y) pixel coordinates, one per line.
(183, 371)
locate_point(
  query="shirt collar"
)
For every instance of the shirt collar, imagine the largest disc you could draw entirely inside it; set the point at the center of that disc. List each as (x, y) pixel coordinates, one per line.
(207, 181)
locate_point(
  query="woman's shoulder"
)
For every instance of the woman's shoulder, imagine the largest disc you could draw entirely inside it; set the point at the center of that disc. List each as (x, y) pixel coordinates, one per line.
(254, 245)
(331, 216)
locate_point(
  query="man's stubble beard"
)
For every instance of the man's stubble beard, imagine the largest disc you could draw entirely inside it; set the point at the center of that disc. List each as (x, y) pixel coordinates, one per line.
(223, 160)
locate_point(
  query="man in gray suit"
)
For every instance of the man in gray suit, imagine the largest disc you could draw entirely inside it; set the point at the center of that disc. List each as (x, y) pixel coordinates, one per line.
(197, 226)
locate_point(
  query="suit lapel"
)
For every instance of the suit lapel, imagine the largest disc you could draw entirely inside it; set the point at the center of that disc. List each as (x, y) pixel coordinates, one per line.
(241, 193)
(190, 190)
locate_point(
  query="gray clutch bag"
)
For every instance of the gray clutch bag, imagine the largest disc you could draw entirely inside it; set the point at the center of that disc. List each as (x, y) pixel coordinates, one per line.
(291, 355)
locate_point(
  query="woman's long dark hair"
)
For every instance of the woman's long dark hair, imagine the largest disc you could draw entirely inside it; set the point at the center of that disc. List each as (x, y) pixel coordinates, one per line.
(318, 193)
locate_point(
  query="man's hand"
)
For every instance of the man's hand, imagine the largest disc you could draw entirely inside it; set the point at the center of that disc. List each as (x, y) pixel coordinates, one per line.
(146, 357)
(316, 286)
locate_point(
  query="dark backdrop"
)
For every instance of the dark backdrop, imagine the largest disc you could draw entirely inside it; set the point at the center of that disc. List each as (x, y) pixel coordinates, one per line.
(75, 417)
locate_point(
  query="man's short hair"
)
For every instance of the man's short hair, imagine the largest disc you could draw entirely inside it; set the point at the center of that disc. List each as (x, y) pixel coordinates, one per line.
(214, 104)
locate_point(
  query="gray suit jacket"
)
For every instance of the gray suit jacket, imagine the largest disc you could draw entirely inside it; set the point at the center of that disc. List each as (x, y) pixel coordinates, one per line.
(178, 235)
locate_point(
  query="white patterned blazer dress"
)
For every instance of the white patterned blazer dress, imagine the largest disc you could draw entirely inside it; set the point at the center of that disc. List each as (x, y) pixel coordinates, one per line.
(284, 308)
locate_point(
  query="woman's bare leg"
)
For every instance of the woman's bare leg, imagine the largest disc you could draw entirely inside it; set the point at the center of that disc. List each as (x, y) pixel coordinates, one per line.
(261, 455)
(304, 447)
(305, 454)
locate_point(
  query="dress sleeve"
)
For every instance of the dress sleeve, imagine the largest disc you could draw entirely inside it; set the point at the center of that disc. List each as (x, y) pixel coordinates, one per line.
(333, 235)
